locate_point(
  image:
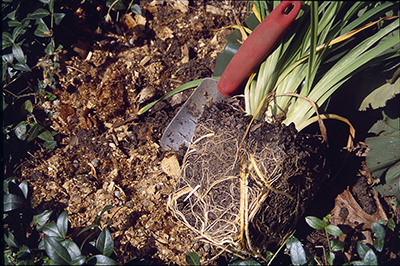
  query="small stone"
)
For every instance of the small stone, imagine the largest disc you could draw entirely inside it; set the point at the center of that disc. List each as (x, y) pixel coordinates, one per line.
(95, 163)
(159, 186)
(129, 204)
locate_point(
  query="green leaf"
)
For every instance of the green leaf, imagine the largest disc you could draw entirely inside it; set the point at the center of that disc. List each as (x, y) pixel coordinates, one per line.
(10, 239)
(192, 259)
(24, 253)
(34, 131)
(296, 250)
(27, 106)
(378, 229)
(50, 145)
(247, 262)
(379, 96)
(59, 47)
(62, 224)
(390, 187)
(78, 260)
(105, 242)
(370, 258)
(18, 53)
(230, 50)
(14, 23)
(101, 260)
(368, 16)
(386, 126)
(42, 30)
(38, 13)
(315, 222)
(379, 243)
(11, 15)
(46, 136)
(336, 245)
(6, 183)
(24, 188)
(391, 224)
(58, 17)
(22, 67)
(311, 67)
(384, 153)
(333, 230)
(50, 48)
(181, 88)
(56, 251)
(6, 41)
(72, 248)
(51, 230)
(330, 257)
(379, 233)
(362, 249)
(41, 245)
(115, 4)
(12, 202)
(393, 202)
(42, 218)
(8, 58)
(17, 32)
(135, 8)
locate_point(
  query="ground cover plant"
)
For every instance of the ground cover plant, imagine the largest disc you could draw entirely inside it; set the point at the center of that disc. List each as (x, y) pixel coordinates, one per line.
(119, 56)
(54, 248)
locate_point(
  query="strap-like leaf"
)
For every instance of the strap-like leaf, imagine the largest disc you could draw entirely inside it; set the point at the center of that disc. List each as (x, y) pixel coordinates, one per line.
(181, 88)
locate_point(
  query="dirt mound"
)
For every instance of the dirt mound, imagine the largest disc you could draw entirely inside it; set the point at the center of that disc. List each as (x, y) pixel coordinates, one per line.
(247, 194)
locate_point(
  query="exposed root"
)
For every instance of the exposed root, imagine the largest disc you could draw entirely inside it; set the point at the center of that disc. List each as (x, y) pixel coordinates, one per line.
(246, 192)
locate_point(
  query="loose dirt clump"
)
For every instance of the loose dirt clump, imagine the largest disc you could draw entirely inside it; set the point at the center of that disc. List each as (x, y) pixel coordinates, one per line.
(246, 194)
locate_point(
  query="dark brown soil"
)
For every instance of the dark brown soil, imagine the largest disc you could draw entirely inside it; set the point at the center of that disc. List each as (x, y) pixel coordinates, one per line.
(107, 154)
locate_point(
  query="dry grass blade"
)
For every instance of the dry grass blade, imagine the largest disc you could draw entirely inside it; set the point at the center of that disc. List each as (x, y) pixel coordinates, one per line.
(352, 131)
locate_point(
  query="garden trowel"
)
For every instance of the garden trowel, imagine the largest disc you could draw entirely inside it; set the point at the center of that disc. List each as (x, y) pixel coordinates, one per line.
(249, 56)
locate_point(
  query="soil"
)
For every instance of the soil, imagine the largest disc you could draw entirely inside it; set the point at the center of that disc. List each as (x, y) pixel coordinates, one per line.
(107, 154)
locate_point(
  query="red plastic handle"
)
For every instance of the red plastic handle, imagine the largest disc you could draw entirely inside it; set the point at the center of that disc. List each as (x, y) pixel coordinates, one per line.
(256, 48)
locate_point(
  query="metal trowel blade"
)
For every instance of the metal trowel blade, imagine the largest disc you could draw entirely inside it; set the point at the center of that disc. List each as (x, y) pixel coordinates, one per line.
(180, 130)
